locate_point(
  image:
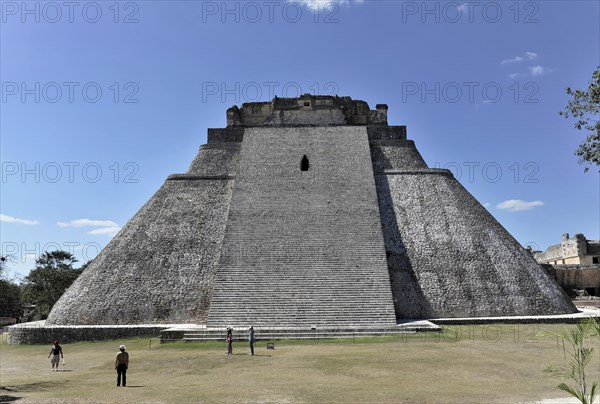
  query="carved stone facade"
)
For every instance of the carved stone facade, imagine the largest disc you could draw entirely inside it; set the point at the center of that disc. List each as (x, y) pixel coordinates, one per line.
(307, 110)
(576, 250)
(574, 263)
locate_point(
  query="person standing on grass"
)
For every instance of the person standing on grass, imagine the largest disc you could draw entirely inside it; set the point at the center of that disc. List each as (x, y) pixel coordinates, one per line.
(251, 339)
(121, 365)
(229, 341)
(56, 354)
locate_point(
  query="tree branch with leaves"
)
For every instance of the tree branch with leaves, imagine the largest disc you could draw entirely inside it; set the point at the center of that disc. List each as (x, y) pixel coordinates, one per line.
(585, 108)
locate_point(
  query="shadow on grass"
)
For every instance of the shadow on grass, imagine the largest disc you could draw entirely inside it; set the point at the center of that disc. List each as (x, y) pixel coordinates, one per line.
(5, 398)
(29, 387)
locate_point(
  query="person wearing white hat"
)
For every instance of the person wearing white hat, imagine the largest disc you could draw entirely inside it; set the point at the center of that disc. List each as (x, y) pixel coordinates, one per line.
(121, 365)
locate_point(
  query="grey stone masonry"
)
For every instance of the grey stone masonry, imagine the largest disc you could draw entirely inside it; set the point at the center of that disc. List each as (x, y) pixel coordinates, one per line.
(40, 333)
(302, 212)
(303, 247)
(160, 267)
(447, 255)
(307, 110)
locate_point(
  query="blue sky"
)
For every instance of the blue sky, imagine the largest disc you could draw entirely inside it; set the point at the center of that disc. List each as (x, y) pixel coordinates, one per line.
(101, 101)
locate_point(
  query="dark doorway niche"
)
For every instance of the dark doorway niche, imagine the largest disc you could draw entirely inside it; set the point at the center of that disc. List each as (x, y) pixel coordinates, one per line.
(304, 163)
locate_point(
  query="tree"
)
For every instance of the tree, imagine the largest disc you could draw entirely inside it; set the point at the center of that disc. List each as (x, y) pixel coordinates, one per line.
(45, 284)
(585, 107)
(10, 294)
(576, 348)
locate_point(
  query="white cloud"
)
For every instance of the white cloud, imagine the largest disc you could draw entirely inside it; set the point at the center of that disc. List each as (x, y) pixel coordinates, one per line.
(11, 219)
(537, 70)
(531, 55)
(516, 59)
(486, 205)
(109, 231)
(106, 227)
(516, 205)
(322, 5)
(533, 71)
(87, 222)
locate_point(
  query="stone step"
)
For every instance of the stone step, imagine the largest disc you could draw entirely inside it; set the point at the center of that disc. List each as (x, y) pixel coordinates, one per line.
(314, 305)
(240, 332)
(306, 252)
(201, 338)
(301, 297)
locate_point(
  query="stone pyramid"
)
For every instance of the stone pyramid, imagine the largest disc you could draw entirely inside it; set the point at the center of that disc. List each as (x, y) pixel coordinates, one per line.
(309, 211)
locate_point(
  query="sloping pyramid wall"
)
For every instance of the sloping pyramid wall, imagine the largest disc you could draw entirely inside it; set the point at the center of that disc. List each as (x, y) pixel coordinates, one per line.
(447, 255)
(160, 267)
(303, 248)
(367, 235)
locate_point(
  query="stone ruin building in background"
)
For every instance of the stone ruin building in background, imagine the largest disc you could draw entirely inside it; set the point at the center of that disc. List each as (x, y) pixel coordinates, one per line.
(574, 263)
(309, 211)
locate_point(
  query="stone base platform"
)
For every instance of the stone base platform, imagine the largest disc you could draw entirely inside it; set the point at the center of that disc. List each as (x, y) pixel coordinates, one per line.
(584, 312)
(39, 333)
(240, 333)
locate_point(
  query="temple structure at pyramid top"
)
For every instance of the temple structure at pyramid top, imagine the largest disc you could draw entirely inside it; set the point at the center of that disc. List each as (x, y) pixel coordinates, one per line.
(309, 211)
(307, 110)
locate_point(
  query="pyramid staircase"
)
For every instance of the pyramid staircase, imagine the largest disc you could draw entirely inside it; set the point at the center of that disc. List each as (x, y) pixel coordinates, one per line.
(303, 248)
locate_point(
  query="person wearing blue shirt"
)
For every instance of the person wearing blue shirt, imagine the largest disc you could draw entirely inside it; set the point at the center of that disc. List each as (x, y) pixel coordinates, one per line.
(251, 339)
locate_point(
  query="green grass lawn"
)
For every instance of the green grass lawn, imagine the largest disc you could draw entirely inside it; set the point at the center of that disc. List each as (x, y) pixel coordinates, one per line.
(467, 364)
